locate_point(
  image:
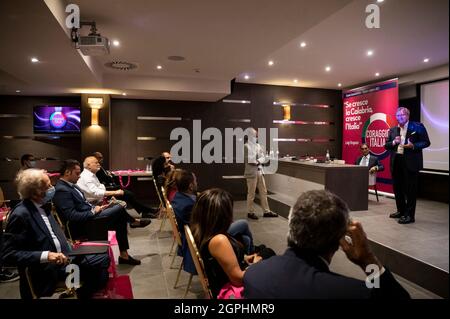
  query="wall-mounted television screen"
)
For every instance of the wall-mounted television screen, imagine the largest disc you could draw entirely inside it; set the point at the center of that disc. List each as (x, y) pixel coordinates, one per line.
(56, 119)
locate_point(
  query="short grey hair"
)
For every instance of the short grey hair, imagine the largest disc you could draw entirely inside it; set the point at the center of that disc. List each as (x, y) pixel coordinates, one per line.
(317, 222)
(87, 160)
(29, 182)
(401, 108)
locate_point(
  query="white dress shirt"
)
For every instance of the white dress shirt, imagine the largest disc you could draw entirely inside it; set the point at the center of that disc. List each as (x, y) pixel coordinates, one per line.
(403, 130)
(44, 255)
(365, 160)
(91, 186)
(253, 154)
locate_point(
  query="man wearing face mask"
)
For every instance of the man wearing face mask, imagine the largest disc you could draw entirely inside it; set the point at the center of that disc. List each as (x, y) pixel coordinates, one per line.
(34, 240)
(27, 161)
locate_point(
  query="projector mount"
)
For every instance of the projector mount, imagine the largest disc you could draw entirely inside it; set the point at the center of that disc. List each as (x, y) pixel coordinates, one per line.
(75, 34)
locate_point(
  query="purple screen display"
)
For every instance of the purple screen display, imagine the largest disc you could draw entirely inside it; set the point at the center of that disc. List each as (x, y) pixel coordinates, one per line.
(56, 119)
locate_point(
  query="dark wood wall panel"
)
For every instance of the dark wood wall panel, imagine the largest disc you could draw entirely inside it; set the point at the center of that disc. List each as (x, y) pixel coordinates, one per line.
(125, 148)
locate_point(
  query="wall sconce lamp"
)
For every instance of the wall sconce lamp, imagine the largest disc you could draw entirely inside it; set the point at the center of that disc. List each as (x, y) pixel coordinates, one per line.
(286, 112)
(95, 103)
(94, 117)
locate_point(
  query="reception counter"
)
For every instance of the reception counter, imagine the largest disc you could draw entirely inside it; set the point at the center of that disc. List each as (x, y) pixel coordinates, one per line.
(293, 177)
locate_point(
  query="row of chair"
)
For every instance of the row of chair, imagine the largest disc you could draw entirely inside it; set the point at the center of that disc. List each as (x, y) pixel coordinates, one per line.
(167, 212)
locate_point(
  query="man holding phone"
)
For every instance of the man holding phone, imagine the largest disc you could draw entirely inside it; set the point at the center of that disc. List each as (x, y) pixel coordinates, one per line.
(405, 143)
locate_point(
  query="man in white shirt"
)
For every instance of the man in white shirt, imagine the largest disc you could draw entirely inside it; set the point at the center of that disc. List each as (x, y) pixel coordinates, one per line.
(34, 240)
(254, 158)
(90, 185)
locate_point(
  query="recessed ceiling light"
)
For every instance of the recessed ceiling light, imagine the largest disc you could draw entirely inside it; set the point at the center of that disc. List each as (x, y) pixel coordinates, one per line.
(34, 60)
(246, 77)
(369, 53)
(303, 44)
(377, 74)
(328, 68)
(116, 43)
(295, 80)
(270, 63)
(17, 91)
(339, 84)
(426, 60)
(380, 1)
(124, 94)
(159, 67)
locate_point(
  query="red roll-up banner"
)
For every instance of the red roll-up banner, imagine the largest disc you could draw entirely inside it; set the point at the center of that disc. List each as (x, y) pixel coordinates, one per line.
(369, 112)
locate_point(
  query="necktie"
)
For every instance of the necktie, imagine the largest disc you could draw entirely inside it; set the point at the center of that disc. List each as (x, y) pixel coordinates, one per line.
(65, 247)
(47, 207)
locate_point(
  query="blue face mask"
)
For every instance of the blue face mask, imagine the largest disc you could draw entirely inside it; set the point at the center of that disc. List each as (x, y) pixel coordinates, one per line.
(32, 164)
(49, 195)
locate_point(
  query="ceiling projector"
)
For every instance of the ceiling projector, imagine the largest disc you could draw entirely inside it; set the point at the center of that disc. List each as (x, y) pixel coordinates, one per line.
(93, 45)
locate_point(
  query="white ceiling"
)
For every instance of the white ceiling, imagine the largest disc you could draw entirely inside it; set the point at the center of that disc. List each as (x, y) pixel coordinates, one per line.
(221, 39)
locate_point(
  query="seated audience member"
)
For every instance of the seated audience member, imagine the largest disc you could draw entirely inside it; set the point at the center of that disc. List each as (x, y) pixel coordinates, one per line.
(27, 161)
(168, 158)
(224, 257)
(95, 191)
(72, 206)
(369, 160)
(170, 185)
(318, 224)
(104, 176)
(160, 170)
(184, 201)
(33, 239)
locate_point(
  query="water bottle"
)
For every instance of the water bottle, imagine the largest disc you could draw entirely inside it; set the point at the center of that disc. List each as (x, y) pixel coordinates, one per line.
(327, 156)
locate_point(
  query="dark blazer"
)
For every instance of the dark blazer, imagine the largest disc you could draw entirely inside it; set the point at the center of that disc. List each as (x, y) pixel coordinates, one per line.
(107, 178)
(418, 135)
(72, 208)
(297, 276)
(26, 237)
(182, 205)
(373, 161)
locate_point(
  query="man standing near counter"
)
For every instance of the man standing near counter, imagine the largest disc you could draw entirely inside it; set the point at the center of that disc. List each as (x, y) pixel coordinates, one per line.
(254, 158)
(405, 143)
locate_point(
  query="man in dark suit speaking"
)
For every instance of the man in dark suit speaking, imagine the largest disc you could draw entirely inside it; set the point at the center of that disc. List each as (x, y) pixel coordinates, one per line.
(405, 143)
